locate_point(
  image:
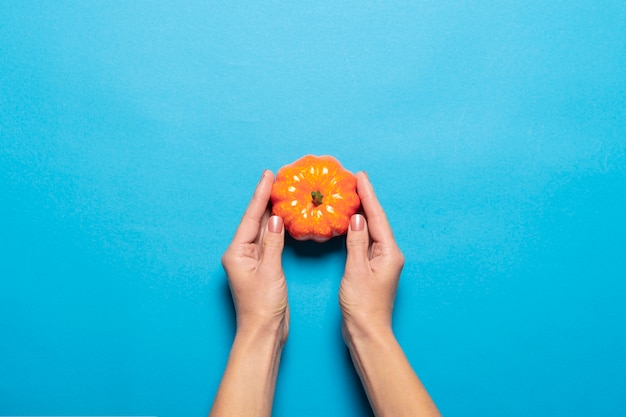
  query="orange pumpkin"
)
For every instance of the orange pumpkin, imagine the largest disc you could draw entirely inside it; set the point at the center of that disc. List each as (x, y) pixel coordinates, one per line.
(315, 196)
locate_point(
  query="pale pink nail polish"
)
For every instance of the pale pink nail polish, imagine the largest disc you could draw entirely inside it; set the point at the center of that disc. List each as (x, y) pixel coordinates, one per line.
(275, 224)
(357, 222)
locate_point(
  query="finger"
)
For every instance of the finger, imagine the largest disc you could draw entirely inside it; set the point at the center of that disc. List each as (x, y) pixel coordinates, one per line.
(273, 243)
(357, 241)
(252, 219)
(377, 222)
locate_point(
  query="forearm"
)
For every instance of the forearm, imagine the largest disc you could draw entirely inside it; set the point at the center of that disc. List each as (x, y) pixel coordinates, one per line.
(392, 386)
(247, 387)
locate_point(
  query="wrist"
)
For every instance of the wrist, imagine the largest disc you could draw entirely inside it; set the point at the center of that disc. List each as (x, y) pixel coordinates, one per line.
(265, 330)
(364, 331)
(258, 344)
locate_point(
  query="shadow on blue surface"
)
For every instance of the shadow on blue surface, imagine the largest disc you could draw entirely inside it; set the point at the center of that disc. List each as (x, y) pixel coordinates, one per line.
(311, 249)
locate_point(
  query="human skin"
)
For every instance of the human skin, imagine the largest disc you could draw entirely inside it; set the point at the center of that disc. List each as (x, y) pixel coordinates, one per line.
(253, 265)
(367, 292)
(366, 296)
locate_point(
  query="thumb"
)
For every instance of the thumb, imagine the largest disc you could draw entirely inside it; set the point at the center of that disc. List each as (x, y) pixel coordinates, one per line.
(273, 243)
(357, 241)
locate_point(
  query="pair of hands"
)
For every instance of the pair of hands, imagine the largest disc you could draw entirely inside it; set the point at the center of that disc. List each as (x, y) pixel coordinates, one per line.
(366, 296)
(257, 281)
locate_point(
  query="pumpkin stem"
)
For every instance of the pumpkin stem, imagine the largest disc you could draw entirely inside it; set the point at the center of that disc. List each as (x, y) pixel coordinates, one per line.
(316, 197)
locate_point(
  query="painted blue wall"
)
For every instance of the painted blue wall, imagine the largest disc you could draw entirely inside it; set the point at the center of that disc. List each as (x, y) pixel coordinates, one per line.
(133, 133)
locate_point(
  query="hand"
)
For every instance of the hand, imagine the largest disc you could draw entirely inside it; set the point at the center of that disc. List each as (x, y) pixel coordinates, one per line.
(254, 267)
(257, 282)
(366, 295)
(372, 271)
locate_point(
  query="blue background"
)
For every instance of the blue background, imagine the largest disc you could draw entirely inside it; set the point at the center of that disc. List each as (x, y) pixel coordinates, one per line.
(133, 133)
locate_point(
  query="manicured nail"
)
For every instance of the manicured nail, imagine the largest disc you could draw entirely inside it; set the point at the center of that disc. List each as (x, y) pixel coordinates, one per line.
(263, 175)
(357, 222)
(275, 224)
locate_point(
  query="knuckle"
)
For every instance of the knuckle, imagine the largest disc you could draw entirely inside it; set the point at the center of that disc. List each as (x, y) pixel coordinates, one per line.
(227, 258)
(357, 242)
(397, 258)
(272, 243)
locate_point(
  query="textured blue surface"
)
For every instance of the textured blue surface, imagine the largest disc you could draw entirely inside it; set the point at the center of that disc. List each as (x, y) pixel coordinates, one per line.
(133, 133)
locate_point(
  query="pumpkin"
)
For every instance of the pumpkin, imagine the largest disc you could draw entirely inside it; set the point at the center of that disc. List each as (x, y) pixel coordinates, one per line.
(315, 196)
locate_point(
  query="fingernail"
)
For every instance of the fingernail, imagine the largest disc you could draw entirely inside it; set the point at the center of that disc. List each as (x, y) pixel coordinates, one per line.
(275, 224)
(357, 222)
(368, 177)
(263, 175)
